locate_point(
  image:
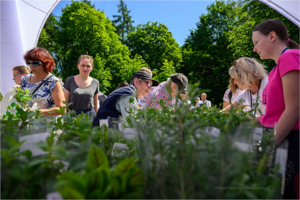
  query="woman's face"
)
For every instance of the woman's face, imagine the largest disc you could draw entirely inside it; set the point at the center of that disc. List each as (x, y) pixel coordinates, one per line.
(17, 77)
(240, 85)
(35, 68)
(85, 66)
(262, 44)
(143, 87)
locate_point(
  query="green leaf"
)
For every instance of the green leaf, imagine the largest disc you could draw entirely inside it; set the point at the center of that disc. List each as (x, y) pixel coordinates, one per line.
(59, 152)
(68, 192)
(96, 158)
(16, 172)
(71, 180)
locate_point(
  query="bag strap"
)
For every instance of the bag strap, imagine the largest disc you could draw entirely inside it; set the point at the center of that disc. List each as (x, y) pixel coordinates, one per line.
(230, 96)
(42, 83)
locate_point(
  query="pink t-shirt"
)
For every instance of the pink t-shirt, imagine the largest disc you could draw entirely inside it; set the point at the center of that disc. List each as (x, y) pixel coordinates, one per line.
(273, 93)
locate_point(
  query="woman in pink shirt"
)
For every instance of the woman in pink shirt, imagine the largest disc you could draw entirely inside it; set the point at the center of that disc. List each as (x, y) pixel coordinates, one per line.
(281, 96)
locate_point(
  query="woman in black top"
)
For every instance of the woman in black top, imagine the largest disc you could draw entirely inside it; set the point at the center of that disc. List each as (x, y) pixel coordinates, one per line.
(82, 90)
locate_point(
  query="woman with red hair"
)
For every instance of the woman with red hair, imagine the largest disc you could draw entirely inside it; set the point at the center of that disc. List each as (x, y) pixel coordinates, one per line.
(45, 87)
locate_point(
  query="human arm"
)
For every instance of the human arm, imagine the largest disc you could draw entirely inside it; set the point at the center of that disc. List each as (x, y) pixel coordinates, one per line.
(96, 102)
(58, 98)
(225, 104)
(67, 96)
(289, 117)
(231, 106)
(226, 99)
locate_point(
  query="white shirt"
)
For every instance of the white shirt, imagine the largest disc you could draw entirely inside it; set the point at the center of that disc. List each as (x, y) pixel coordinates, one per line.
(245, 96)
(206, 102)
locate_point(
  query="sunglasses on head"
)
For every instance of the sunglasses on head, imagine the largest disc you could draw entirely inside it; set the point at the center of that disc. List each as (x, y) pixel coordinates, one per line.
(236, 61)
(34, 63)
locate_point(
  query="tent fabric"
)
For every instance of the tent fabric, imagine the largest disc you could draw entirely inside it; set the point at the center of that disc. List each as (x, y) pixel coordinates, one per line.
(288, 8)
(21, 24)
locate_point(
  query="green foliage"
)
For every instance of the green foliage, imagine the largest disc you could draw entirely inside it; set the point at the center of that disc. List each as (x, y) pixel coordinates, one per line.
(124, 181)
(123, 22)
(22, 96)
(206, 53)
(165, 72)
(169, 149)
(1, 97)
(134, 65)
(89, 3)
(155, 43)
(180, 160)
(81, 29)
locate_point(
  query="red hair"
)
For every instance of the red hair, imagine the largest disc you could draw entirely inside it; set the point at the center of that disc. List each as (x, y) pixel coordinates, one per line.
(41, 54)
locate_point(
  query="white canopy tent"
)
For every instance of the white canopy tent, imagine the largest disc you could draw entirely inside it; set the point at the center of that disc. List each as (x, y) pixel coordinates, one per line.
(288, 8)
(22, 22)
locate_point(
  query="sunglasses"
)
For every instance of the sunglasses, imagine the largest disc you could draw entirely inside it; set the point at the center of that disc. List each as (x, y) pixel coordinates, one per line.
(34, 63)
(148, 83)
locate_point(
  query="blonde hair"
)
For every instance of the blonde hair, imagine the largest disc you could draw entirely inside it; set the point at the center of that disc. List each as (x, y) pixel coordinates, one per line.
(197, 98)
(232, 86)
(204, 94)
(247, 71)
(87, 57)
(21, 69)
(147, 70)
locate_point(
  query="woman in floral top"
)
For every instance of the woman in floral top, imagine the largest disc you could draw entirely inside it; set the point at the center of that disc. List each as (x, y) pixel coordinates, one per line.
(49, 96)
(235, 88)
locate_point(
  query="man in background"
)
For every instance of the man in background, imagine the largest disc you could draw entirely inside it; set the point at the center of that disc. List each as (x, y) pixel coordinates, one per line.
(204, 101)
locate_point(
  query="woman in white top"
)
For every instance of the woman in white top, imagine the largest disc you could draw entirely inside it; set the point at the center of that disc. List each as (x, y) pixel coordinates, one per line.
(232, 92)
(251, 75)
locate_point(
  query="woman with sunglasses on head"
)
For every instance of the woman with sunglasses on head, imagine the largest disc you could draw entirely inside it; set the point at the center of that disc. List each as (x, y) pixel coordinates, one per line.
(231, 93)
(82, 90)
(271, 41)
(250, 75)
(46, 88)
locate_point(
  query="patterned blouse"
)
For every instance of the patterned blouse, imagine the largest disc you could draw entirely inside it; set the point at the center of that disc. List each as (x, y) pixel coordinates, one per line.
(158, 93)
(42, 96)
(226, 97)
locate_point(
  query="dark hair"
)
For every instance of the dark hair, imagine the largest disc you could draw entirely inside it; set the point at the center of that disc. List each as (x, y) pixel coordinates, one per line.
(41, 54)
(279, 28)
(21, 69)
(123, 84)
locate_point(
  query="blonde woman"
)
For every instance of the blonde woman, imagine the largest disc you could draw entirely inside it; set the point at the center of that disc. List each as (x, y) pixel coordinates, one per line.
(18, 72)
(82, 90)
(252, 76)
(231, 93)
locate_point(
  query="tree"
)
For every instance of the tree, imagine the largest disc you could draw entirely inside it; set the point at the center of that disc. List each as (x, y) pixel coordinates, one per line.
(155, 43)
(89, 3)
(251, 14)
(81, 29)
(48, 35)
(123, 22)
(165, 72)
(207, 54)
